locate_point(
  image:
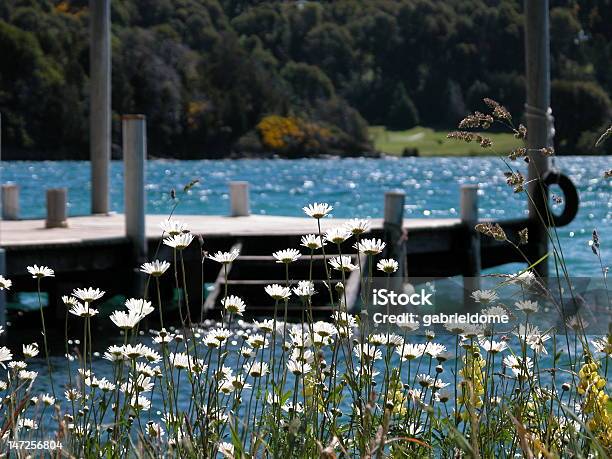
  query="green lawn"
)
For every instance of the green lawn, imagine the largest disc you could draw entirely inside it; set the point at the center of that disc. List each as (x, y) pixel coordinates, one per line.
(434, 143)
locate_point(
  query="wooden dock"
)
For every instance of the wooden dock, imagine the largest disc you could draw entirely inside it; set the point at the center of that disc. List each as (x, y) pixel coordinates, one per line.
(94, 250)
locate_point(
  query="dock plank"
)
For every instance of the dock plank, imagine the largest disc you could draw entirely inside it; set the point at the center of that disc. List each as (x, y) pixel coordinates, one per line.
(96, 228)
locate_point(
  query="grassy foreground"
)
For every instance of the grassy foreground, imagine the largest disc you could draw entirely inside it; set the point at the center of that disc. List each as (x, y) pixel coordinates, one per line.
(430, 142)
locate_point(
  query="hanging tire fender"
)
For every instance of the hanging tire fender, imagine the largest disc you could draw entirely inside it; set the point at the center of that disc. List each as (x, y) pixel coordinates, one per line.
(570, 196)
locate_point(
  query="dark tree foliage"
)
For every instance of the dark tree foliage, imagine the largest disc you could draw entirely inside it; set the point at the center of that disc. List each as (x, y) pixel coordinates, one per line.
(207, 72)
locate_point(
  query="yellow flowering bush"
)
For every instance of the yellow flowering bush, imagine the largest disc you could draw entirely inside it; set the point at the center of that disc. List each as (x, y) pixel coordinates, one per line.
(592, 387)
(282, 133)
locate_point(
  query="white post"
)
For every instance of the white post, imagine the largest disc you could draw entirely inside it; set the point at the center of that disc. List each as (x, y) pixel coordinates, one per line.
(10, 201)
(540, 129)
(239, 199)
(100, 104)
(57, 200)
(469, 218)
(393, 227)
(134, 157)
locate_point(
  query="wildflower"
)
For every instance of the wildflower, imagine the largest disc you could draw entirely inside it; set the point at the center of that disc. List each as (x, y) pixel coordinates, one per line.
(387, 265)
(337, 235)
(425, 380)
(233, 305)
(257, 369)
(173, 227)
(88, 294)
(15, 364)
(317, 210)
(357, 226)
(370, 246)
(343, 263)
(266, 325)
(5, 284)
(25, 423)
(410, 351)
(527, 306)
(38, 272)
(5, 355)
(69, 300)
(603, 345)
(226, 450)
(155, 430)
(367, 353)
(140, 403)
(258, 341)
(287, 256)
(155, 268)
(225, 257)
(576, 323)
(484, 296)
(312, 241)
(219, 334)
(83, 310)
(304, 289)
(139, 306)
(72, 395)
(493, 347)
(434, 349)
(30, 350)
(278, 292)
(519, 368)
(179, 241)
(47, 399)
(298, 368)
(27, 375)
(125, 320)
(324, 329)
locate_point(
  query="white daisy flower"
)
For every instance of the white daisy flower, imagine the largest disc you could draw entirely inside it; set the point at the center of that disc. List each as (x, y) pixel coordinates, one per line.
(179, 241)
(317, 210)
(337, 235)
(83, 310)
(410, 351)
(370, 246)
(357, 226)
(343, 263)
(312, 241)
(88, 294)
(493, 347)
(527, 306)
(484, 296)
(173, 227)
(38, 272)
(257, 369)
(387, 265)
(155, 268)
(234, 305)
(5, 284)
(5, 355)
(225, 257)
(226, 450)
(287, 256)
(30, 350)
(278, 292)
(304, 289)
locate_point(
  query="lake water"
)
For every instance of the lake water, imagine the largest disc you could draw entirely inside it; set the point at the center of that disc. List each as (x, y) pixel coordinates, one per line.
(354, 186)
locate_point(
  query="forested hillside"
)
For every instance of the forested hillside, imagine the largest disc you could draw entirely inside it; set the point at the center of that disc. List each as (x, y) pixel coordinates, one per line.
(216, 76)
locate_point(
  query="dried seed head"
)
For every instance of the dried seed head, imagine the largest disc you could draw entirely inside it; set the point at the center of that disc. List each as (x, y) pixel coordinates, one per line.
(523, 236)
(492, 230)
(517, 153)
(520, 132)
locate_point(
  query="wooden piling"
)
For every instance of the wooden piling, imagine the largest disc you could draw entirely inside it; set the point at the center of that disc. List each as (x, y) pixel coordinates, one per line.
(10, 201)
(134, 158)
(393, 229)
(540, 130)
(100, 104)
(469, 218)
(239, 199)
(57, 202)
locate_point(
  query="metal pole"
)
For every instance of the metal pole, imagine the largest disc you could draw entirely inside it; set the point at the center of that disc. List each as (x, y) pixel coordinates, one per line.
(540, 129)
(469, 217)
(100, 104)
(134, 157)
